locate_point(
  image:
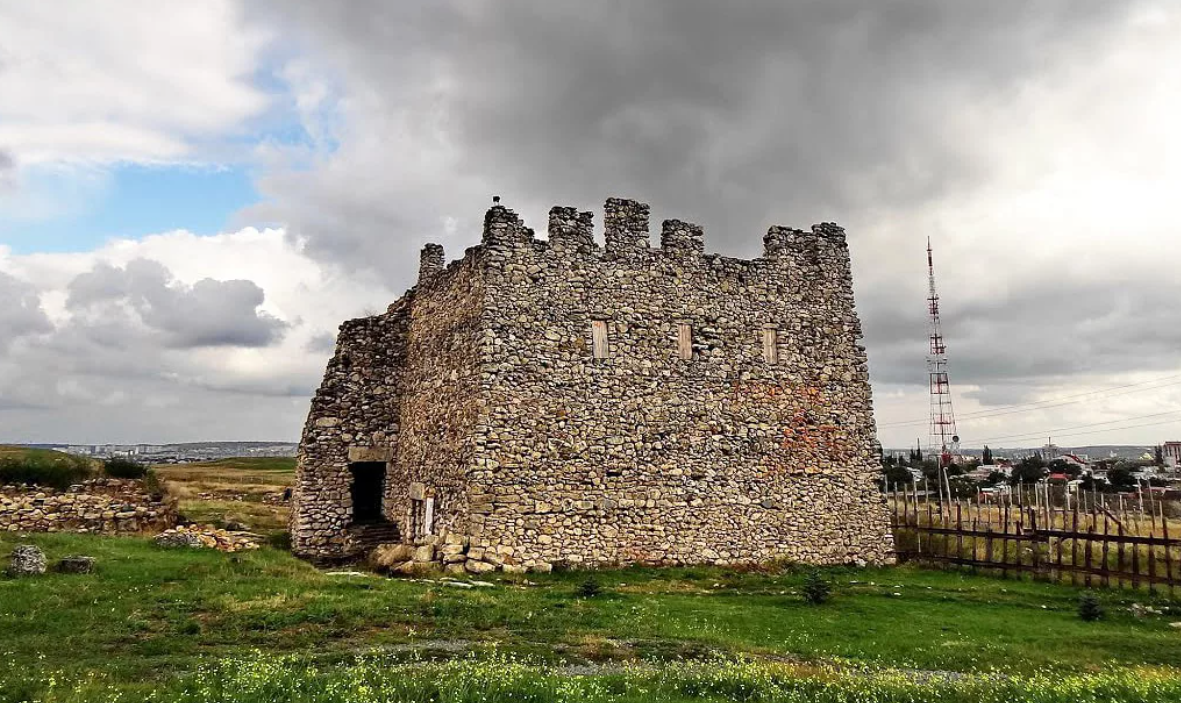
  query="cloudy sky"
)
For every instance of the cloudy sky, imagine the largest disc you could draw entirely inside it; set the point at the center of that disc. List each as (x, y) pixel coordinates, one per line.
(194, 195)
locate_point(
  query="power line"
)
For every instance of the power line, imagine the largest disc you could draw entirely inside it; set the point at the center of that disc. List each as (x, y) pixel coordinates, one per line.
(1117, 429)
(1051, 402)
(1046, 433)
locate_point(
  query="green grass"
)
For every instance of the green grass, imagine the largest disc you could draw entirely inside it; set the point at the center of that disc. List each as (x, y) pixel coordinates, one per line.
(263, 678)
(18, 452)
(149, 614)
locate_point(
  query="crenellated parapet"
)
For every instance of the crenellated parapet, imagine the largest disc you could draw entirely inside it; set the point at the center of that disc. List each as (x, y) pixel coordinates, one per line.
(626, 235)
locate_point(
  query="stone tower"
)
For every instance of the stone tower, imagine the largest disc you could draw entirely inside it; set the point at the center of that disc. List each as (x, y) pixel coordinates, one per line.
(557, 401)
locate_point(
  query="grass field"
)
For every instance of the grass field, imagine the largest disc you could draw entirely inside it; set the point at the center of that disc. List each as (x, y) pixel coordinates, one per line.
(150, 615)
(194, 625)
(231, 490)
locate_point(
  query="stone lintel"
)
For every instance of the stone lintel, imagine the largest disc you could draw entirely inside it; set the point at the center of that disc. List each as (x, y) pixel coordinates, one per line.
(370, 454)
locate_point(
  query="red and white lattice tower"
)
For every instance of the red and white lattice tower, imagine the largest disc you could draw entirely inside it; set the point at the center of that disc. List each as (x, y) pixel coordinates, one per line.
(944, 438)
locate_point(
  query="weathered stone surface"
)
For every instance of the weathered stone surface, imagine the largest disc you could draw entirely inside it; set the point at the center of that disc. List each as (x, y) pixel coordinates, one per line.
(729, 420)
(75, 565)
(26, 560)
(178, 539)
(388, 556)
(478, 567)
(208, 537)
(414, 568)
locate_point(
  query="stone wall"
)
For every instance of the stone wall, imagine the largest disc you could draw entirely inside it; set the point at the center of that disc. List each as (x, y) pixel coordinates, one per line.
(757, 446)
(106, 506)
(354, 417)
(648, 457)
(401, 388)
(439, 399)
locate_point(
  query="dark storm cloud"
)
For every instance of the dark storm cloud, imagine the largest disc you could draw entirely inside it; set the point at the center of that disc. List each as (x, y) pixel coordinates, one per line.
(736, 115)
(1039, 331)
(208, 313)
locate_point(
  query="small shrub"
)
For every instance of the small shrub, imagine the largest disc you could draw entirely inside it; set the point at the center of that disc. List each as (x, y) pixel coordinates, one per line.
(124, 468)
(60, 471)
(816, 588)
(1089, 608)
(589, 588)
(153, 485)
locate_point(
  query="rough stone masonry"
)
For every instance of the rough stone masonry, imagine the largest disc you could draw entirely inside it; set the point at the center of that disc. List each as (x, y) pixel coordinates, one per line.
(558, 402)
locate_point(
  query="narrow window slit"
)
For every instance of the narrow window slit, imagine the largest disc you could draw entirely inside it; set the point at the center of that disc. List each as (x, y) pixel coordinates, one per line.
(599, 339)
(770, 345)
(685, 341)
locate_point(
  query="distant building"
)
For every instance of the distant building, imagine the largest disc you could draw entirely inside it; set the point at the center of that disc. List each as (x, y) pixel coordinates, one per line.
(1172, 454)
(983, 471)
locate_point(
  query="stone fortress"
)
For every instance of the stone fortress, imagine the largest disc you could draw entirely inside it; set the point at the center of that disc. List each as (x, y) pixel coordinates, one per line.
(557, 402)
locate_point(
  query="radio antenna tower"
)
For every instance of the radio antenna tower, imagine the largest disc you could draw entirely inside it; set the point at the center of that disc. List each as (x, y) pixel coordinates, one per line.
(944, 438)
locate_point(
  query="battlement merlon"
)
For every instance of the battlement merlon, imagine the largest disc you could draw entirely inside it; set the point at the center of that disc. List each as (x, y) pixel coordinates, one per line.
(430, 261)
(625, 225)
(825, 242)
(503, 228)
(682, 239)
(571, 231)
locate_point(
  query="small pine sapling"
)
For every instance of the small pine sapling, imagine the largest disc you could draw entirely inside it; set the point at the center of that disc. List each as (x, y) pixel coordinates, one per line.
(589, 588)
(816, 589)
(1089, 608)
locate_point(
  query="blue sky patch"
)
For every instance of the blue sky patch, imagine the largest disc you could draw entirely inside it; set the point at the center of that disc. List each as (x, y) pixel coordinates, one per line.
(128, 201)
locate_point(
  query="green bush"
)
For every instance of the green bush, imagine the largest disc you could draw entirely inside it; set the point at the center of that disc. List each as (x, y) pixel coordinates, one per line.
(53, 471)
(153, 485)
(816, 588)
(589, 588)
(1089, 608)
(124, 468)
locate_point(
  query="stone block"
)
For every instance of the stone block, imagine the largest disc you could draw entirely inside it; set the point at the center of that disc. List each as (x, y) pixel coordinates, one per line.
(390, 555)
(478, 567)
(75, 565)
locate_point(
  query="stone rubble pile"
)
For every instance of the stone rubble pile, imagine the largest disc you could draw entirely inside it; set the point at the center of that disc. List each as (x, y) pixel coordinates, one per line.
(104, 505)
(208, 537)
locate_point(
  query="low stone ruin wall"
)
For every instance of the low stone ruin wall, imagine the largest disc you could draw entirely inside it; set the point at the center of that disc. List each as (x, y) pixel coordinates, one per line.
(106, 505)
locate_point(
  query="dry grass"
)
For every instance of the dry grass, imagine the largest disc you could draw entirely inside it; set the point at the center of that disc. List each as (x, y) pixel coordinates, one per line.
(231, 490)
